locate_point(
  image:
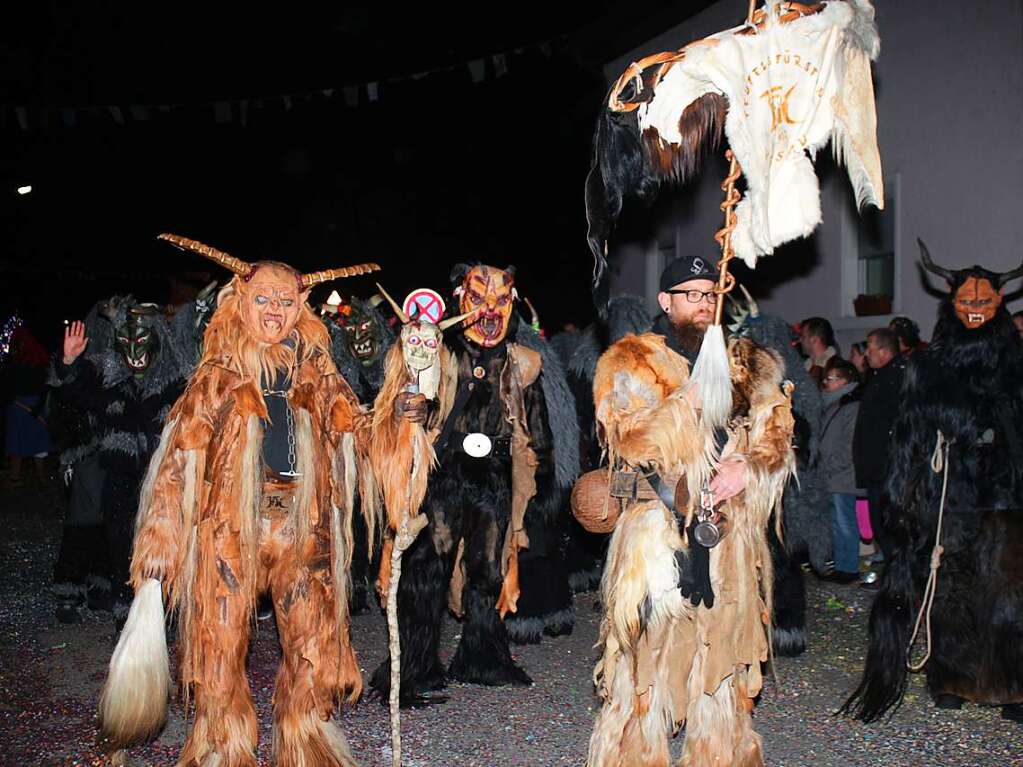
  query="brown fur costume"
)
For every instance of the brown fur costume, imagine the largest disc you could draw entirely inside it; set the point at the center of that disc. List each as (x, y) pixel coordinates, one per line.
(666, 663)
(216, 535)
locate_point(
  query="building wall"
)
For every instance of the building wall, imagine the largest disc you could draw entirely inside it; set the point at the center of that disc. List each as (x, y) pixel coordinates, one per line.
(949, 85)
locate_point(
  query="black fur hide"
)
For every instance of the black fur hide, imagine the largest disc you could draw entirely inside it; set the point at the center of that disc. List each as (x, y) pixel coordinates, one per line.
(967, 385)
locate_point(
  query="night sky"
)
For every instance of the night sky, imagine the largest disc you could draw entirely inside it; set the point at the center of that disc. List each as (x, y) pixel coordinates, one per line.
(437, 170)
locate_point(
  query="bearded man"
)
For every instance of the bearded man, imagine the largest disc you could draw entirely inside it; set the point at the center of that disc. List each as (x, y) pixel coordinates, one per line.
(507, 446)
(249, 492)
(687, 581)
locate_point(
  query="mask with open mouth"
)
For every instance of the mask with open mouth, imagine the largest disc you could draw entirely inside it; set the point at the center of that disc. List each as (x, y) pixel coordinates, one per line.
(976, 302)
(136, 339)
(363, 334)
(271, 301)
(490, 292)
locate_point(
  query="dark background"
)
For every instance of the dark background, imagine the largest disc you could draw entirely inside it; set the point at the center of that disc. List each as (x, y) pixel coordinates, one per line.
(437, 170)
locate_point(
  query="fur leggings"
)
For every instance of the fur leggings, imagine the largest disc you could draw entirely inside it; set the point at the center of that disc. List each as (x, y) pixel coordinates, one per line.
(658, 654)
(467, 506)
(317, 663)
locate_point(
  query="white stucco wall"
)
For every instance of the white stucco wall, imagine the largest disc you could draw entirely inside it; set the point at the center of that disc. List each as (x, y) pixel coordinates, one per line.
(950, 128)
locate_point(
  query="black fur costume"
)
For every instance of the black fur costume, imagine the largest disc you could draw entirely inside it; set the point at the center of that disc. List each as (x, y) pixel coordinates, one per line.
(967, 383)
(365, 376)
(469, 500)
(127, 414)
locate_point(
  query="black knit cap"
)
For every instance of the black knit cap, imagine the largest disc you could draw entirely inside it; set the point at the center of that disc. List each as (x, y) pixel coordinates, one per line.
(687, 268)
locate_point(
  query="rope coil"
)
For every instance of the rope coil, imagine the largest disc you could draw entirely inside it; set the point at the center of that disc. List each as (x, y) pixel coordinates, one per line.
(939, 465)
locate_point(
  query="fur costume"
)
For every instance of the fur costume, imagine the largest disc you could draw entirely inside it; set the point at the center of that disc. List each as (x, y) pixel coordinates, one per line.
(481, 509)
(127, 407)
(220, 524)
(360, 338)
(666, 662)
(806, 529)
(585, 551)
(966, 385)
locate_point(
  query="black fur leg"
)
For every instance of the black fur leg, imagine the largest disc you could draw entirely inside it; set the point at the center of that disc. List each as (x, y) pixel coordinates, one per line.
(545, 604)
(1013, 712)
(483, 656)
(948, 702)
(789, 634)
(422, 594)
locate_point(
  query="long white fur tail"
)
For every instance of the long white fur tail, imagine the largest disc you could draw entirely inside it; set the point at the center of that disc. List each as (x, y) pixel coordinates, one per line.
(133, 705)
(712, 377)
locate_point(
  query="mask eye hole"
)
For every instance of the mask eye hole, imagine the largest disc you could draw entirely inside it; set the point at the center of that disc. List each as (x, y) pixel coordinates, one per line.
(364, 326)
(475, 297)
(503, 300)
(413, 341)
(287, 302)
(261, 300)
(431, 343)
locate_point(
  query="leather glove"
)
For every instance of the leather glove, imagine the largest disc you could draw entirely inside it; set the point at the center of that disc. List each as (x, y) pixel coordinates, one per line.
(694, 571)
(412, 407)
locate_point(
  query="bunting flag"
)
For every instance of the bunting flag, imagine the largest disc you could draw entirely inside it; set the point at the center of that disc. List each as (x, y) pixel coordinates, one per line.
(230, 111)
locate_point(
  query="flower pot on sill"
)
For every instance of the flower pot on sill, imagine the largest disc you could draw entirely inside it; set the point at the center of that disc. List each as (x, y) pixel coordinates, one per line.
(870, 306)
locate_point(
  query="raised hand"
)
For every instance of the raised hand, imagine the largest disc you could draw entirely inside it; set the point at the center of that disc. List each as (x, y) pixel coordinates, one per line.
(75, 341)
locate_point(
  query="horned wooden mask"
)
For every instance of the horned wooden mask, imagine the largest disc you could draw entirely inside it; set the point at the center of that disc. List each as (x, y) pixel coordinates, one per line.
(490, 292)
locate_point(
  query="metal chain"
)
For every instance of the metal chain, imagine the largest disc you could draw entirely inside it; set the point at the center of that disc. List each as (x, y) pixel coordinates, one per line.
(292, 461)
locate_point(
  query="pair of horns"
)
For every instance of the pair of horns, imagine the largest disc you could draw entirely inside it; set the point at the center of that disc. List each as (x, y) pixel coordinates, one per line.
(245, 269)
(950, 276)
(405, 319)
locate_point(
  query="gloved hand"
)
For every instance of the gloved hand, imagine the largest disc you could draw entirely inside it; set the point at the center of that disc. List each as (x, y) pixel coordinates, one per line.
(694, 571)
(411, 407)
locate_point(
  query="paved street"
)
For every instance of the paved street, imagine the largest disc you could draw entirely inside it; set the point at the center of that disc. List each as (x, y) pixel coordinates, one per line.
(50, 675)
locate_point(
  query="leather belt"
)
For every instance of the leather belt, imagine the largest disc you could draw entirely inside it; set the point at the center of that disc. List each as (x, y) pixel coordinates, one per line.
(633, 485)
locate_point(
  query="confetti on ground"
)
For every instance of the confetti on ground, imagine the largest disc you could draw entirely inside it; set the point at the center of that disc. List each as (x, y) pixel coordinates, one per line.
(50, 676)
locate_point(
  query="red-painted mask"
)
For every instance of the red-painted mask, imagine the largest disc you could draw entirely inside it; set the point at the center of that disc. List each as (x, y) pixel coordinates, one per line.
(976, 302)
(490, 292)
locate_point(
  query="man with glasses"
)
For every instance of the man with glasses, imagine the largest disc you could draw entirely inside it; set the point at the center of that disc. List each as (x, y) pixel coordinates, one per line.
(687, 299)
(683, 633)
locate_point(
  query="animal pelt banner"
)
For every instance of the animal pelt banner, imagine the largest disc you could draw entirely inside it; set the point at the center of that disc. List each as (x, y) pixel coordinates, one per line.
(779, 89)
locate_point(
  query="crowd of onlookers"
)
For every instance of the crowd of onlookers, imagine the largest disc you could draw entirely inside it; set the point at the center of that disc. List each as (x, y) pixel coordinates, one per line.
(860, 403)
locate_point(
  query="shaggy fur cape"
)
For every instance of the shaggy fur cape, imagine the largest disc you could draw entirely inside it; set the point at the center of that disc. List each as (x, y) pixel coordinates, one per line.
(664, 662)
(966, 384)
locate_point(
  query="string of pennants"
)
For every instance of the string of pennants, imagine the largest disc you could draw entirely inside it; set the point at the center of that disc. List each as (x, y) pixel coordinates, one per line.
(226, 111)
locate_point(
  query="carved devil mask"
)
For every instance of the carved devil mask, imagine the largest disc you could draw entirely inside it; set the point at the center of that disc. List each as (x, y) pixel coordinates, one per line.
(976, 302)
(136, 340)
(978, 292)
(363, 334)
(270, 302)
(490, 292)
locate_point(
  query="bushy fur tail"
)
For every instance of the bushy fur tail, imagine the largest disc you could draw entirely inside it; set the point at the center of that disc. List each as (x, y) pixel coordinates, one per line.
(884, 677)
(133, 704)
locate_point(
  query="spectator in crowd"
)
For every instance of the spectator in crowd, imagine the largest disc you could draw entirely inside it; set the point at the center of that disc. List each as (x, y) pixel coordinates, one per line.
(1017, 320)
(878, 407)
(858, 358)
(841, 384)
(24, 379)
(817, 340)
(907, 332)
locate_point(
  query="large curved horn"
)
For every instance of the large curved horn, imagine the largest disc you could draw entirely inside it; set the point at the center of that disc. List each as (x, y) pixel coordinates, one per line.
(236, 265)
(754, 310)
(925, 258)
(445, 324)
(394, 305)
(1004, 277)
(308, 280)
